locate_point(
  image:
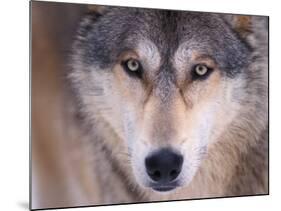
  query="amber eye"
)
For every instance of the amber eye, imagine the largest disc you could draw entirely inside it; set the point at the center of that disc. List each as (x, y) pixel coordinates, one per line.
(133, 65)
(201, 71)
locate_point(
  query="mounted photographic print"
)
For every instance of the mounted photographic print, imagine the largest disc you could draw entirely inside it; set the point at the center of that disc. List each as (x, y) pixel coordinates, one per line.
(134, 105)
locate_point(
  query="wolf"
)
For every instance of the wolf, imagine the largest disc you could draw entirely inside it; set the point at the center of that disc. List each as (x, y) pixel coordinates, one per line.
(170, 104)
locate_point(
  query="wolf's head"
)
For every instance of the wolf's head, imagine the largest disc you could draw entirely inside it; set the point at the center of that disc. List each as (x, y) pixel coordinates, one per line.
(167, 83)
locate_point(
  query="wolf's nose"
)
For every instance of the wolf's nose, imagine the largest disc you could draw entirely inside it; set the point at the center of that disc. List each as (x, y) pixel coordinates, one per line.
(164, 165)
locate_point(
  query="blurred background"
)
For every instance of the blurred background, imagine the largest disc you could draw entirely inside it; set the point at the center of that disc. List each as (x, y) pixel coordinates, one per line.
(53, 27)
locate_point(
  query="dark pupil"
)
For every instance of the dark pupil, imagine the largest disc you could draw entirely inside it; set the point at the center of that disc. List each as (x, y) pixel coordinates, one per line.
(201, 68)
(134, 63)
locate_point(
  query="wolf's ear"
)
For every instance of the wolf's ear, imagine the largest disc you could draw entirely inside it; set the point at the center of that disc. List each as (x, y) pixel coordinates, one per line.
(252, 29)
(243, 25)
(97, 9)
(249, 26)
(94, 12)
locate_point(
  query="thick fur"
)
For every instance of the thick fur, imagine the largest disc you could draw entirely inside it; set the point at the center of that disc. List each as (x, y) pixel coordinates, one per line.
(232, 160)
(115, 120)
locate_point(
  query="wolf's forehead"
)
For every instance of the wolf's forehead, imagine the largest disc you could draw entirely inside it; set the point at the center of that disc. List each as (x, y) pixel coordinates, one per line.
(157, 36)
(171, 35)
(150, 52)
(155, 56)
(175, 55)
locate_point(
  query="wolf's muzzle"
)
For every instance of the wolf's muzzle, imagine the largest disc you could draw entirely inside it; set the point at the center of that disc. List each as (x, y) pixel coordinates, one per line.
(163, 167)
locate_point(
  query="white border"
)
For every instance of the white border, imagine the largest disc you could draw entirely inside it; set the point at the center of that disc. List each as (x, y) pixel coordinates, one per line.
(14, 112)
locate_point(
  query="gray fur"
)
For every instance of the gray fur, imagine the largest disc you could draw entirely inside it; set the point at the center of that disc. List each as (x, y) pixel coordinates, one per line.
(103, 37)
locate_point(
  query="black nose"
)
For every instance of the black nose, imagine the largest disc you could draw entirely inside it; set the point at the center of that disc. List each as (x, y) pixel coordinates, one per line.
(164, 166)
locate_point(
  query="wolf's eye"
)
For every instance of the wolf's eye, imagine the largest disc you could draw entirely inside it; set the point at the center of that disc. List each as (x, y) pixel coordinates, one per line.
(132, 67)
(201, 71)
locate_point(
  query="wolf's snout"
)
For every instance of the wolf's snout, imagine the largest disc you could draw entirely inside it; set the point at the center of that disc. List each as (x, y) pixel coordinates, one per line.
(164, 166)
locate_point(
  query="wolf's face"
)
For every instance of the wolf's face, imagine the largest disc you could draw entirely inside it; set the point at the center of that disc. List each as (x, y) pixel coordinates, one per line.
(165, 82)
